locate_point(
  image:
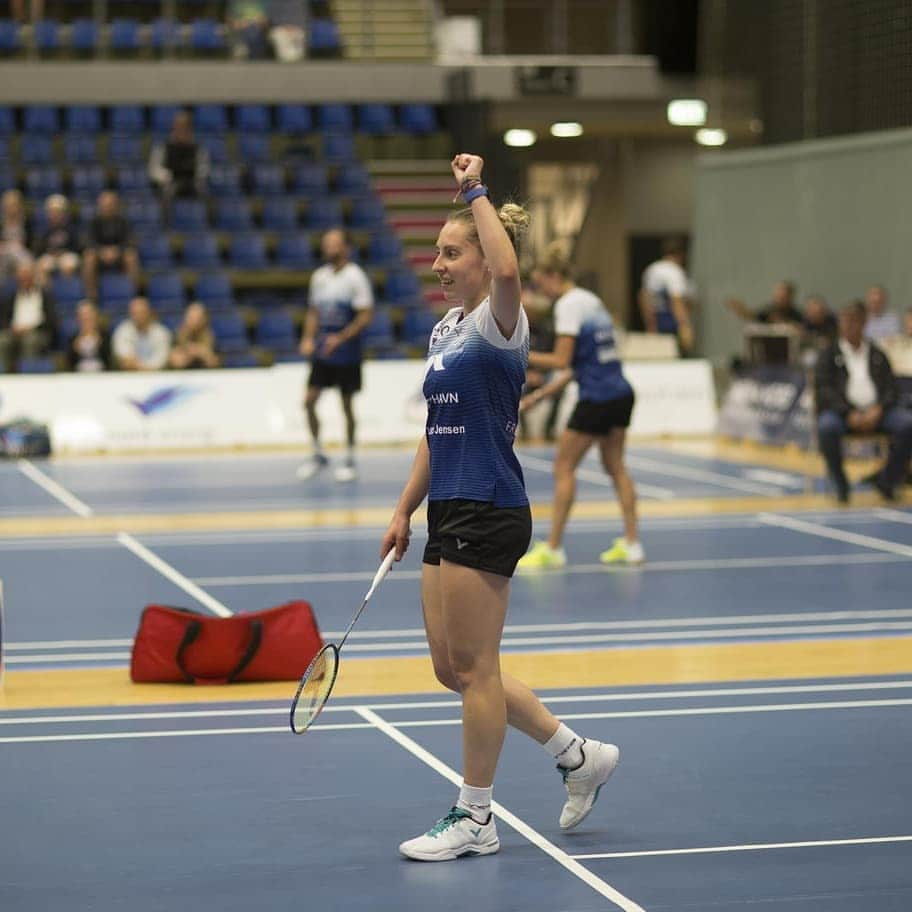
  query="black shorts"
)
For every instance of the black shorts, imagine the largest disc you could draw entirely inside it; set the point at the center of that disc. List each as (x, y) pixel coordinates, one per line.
(477, 534)
(599, 418)
(346, 376)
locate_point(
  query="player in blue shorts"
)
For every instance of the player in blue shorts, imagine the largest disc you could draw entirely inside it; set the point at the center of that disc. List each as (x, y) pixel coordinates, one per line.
(584, 348)
(479, 522)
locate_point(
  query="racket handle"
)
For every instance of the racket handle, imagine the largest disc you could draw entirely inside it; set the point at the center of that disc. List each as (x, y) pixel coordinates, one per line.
(384, 569)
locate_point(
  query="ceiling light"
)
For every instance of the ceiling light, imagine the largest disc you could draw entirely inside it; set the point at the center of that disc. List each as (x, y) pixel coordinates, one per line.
(711, 137)
(520, 138)
(566, 128)
(687, 112)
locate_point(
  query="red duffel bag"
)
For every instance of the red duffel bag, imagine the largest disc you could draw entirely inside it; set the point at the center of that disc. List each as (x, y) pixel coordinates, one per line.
(175, 645)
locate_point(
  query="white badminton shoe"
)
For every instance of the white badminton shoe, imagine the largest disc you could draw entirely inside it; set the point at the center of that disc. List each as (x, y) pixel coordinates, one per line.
(315, 466)
(453, 836)
(585, 781)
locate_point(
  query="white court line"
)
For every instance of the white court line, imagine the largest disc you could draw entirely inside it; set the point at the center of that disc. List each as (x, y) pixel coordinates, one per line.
(751, 847)
(26, 645)
(894, 515)
(730, 563)
(166, 570)
(55, 489)
(704, 475)
(852, 538)
(598, 478)
(521, 827)
(51, 658)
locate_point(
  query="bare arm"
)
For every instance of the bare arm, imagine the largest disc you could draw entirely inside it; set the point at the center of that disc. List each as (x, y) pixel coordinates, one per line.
(681, 313)
(560, 358)
(551, 388)
(413, 494)
(740, 309)
(311, 325)
(647, 311)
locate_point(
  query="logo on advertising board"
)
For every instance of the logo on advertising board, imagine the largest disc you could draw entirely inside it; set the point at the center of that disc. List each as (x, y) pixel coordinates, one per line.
(163, 399)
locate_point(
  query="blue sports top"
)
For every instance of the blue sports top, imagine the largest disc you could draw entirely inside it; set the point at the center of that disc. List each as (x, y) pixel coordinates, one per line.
(337, 295)
(664, 280)
(596, 363)
(472, 384)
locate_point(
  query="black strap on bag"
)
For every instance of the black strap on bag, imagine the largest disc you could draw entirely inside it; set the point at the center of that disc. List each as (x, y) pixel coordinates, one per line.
(193, 631)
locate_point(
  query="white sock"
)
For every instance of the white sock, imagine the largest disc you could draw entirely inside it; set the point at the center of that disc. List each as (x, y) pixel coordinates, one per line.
(564, 745)
(476, 801)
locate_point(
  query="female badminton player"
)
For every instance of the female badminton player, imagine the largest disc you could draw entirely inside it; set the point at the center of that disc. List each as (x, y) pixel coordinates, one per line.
(584, 341)
(479, 522)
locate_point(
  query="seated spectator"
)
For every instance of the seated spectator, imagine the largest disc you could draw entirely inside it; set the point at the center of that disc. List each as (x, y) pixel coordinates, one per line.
(194, 343)
(28, 320)
(288, 20)
(178, 166)
(820, 329)
(15, 239)
(141, 342)
(665, 295)
(57, 250)
(781, 308)
(89, 350)
(34, 13)
(882, 323)
(856, 392)
(247, 22)
(109, 244)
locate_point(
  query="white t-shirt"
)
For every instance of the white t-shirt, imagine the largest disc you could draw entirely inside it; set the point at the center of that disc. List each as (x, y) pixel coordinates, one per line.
(150, 348)
(337, 295)
(668, 277)
(860, 390)
(28, 310)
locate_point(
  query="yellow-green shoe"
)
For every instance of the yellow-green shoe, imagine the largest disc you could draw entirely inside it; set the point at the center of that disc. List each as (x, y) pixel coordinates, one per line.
(543, 557)
(622, 552)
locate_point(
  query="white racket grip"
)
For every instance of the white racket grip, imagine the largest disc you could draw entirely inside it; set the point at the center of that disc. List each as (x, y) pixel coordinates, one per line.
(384, 569)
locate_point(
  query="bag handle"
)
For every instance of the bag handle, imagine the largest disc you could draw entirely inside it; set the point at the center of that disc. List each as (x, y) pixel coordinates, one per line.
(193, 631)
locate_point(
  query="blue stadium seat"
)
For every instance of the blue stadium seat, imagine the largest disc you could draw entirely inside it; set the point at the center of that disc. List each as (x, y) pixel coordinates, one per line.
(280, 214)
(189, 215)
(376, 119)
(40, 119)
(84, 36)
(352, 179)
(230, 333)
(80, 148)
(143, 213)
(402, 288)
(9, 37)
(36, 150)
(155, 251)
(214, 290)
(295, 251)
(124, 36)
(323, 38)
(82, 118)
(417, 326)
(252, 118)
(124, 148)
(311, 180)
(418, 118)
(367, 212)
(338, 147)
(334, 118)
(7, 120)
(67, 290)
(166, 35)
(163, 117)
(210, 118)
(380, 333)
(132, 180)
(42, 182)
(384, 249)
(268, 179)
(7, 179)
(87, 181)
(46, 35)
(323, 214)
(201, 251)
(276, 331)
(4, 151)
(233, 214)
(225, 180)
(238, 359)
(166, 291)
(206, 36)
(40, 365)
(248, 251)
(294, 119)
(127, 119)
(115, 290)
(253, 147)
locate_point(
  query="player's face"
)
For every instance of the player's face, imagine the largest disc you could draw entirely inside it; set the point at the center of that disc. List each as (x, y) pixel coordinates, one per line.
(459, 265)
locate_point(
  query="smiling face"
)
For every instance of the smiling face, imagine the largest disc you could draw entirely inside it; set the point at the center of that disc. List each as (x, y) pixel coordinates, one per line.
(460, 266)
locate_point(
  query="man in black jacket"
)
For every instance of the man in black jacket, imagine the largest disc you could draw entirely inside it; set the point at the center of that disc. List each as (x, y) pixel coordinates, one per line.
(28, 320)
(857, 393)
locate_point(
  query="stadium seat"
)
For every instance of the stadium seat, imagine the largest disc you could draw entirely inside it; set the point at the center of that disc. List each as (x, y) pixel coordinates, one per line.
(4, 152)
(166, 35)
(417, 326)
(125, 36)
(10, 42)
(280, 214)
(189, 215)
(46, 35)
(380, 333)
(253, 147)
(132, 180)
(311, 180)
(40, 119)
(80, 148)
(268, 179)
(163, 117)
(7, 121)
(230, 333)
(127, 119)
(367, 213)
(334, 118)
(225, 180)
(35, 150)
(143, 213)
(84, 36)
(295, 251)
(214, 290)
(384, 249)
(115, 290)
(402, 289)
(166, 291)
(201, 251)
(418, 119)
(124, 148)
(352, 179)
(276, 331)
(43, 181)
(294, 119)
(214, 144)
(40, 365)
(155, 251)
(323, 38)
(206, 36)
(82, 118)
(233, 214)
(67, 290)
(323, 214)
(210, 118)
(338, 147)
(252, 118)
(376, 119)
(248, 251)
(87, 181)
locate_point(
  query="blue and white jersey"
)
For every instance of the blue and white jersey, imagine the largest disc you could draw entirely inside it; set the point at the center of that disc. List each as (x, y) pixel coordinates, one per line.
(664, 280)
(596, 362)
(472, 384)
(337, 295)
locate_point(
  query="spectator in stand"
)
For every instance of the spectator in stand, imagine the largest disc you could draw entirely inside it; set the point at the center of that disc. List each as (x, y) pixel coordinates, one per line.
(665, 295)
(856, 393)
(194, 343)
(89, 351)
(781, 308)
(882, 323)
(109, 244)
(820, 329)
(179, 166)
(247, 21)
(15, 238)
(141, 343)
(57, 250)
(35, 12)
(28, 319)
(288, 19)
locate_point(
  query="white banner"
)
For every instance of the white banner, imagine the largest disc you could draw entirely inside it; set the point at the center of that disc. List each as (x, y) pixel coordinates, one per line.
(256, 407)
